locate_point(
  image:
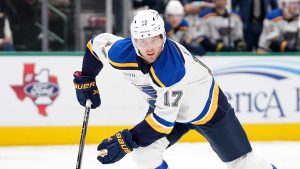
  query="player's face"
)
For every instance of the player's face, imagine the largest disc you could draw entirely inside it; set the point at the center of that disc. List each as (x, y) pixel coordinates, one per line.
(293, 7)
(220, 3)
(174, 20)
(150, 48)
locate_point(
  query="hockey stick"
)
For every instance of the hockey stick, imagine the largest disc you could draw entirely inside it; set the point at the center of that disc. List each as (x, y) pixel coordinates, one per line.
(83, 133)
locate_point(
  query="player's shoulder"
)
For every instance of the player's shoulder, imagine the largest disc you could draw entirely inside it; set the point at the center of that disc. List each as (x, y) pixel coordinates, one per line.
(169, 68)
(184, 25)
(184, 22)
(235, 14)
(122, 54)
(275, 15)
(207, 12)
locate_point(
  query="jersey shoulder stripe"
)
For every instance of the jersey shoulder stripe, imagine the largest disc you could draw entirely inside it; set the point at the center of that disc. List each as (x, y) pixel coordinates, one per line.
(158, 124)
(210, 107)
(184, 28)
(122, 55)
(89, 46)
(184, 24)
(235, 14)
(275, 15)
(155, 79)
(169, 68)
(208, 12)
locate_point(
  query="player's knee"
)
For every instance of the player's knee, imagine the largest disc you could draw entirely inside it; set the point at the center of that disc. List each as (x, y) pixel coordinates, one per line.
(150, 157)
(249, 161)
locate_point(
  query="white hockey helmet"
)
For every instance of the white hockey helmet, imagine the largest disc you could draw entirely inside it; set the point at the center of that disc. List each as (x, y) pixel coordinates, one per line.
(147, 23)
(174, 8)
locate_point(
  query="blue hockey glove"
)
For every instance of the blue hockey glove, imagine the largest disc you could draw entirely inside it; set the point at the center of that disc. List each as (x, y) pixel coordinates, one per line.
(86, 88)
(116, 147)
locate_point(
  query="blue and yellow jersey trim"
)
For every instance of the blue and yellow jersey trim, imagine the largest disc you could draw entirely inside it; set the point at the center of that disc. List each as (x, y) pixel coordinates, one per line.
(170, 33)
(158, 124)
(169, 68)
(208, 12)
(278, 19)
(183, 26)
(210, 107)
(155, 78)
(89, 46)
(123, 65)
(122, 55)
(275, 15)
(210, 15)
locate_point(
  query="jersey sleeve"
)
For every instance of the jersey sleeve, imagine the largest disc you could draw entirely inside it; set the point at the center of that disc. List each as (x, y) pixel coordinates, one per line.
(161, 122)
(96, 53)
(203, 23)
(184, 25)
(269, 33)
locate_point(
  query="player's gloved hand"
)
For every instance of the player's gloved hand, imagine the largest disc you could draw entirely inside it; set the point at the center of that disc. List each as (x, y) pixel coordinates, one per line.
(86, 88)
(116, 147)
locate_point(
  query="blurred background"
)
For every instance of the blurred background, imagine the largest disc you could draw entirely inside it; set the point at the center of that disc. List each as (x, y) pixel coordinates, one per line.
(251, 46)
(258, 26)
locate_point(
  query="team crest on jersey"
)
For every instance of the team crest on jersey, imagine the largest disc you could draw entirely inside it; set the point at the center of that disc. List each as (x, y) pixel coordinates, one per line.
(42, 88)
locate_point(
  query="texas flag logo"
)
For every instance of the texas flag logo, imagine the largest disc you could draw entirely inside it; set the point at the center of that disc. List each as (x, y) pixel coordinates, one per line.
(42, 88)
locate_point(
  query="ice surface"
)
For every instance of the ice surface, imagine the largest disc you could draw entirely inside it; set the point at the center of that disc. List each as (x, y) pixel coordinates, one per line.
(286, 155)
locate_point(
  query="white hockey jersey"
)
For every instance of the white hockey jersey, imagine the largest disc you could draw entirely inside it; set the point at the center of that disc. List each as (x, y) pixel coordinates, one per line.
(179, 87)
(278, 29)
(216, 27)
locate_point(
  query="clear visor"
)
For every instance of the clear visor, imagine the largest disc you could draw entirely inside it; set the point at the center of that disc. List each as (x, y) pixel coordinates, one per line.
(151, 42)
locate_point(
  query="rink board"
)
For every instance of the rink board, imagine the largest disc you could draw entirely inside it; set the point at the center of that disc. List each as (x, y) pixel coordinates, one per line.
(95, 134)
(39, 105)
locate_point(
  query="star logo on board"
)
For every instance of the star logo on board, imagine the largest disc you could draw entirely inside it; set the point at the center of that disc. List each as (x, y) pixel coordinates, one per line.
(42, 88)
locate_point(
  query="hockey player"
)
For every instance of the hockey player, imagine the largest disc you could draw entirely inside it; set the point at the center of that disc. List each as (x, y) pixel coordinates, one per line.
(179, 88)
(177, 28)
(220, 30)
(281, 28)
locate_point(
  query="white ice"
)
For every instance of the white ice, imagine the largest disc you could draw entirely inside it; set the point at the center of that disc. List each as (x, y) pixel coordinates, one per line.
(285, 155)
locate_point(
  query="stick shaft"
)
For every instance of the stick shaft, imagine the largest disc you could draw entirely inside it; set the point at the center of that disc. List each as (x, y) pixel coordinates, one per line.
(83, 134)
